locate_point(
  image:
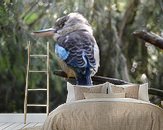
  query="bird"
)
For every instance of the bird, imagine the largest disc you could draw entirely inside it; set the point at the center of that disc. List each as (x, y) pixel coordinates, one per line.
(75, 47)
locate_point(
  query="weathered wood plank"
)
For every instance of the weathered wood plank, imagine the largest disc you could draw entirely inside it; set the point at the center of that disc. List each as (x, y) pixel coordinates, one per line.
(12, 127)
(19, 117)
(6, 125)
(30, 125)
(18, 126)
(2, 123)
(39, 124)
(22, 125)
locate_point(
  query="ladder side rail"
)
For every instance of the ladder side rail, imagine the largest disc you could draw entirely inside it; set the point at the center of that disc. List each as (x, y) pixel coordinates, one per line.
(26, 86)
(47, 108)
(26, 105)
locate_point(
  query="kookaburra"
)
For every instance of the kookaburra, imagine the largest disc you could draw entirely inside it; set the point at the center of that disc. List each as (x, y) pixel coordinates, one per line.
(75, 47)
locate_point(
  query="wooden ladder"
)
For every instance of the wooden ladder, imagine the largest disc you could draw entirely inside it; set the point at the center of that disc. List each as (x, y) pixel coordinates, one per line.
(36, 89)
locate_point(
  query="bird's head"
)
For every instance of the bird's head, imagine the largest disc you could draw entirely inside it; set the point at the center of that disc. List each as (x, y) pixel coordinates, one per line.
(66, 24)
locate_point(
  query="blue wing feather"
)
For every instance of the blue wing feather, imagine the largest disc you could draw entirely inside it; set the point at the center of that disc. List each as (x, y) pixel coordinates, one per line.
(77, 51)
(61, 52)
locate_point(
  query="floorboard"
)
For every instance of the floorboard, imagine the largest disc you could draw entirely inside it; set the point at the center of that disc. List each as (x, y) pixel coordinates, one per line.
(12, 127)
(11, 121)
(5, 126)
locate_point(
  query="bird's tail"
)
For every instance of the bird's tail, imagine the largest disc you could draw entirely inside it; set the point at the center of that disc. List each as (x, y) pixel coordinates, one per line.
(84, 77)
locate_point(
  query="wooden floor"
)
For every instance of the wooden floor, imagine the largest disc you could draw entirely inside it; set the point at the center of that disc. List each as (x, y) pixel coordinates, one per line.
(10, 121)
(17, 126)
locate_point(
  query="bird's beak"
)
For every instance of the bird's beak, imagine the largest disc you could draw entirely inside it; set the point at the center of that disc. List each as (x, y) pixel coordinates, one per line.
(45, 32)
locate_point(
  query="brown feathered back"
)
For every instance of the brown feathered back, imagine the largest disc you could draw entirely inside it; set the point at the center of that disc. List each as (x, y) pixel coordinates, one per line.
(75, 34)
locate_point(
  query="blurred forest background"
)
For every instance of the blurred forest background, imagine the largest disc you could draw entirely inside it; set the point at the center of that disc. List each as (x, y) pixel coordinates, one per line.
(122, 55)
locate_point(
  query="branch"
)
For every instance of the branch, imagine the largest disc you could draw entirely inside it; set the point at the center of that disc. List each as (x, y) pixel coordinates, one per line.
(100, 79)
(150, 37)
(96, 79)
(155, 91)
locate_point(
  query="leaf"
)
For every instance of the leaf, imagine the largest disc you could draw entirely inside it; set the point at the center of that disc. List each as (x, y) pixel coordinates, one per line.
(30, 18)
(7, 1)
(3, 16)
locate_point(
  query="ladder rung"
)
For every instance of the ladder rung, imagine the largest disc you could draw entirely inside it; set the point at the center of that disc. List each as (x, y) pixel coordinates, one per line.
(38, 55)
(40, 71)
(37, 89)
(44, 56)
(36, 105)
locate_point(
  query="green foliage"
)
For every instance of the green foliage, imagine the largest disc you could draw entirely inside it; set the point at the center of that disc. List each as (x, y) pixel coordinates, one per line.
(122, 55)
(30, 18)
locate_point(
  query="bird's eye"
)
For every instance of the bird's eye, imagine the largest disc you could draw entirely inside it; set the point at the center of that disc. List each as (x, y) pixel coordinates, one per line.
(61, 21)
(61, 25)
